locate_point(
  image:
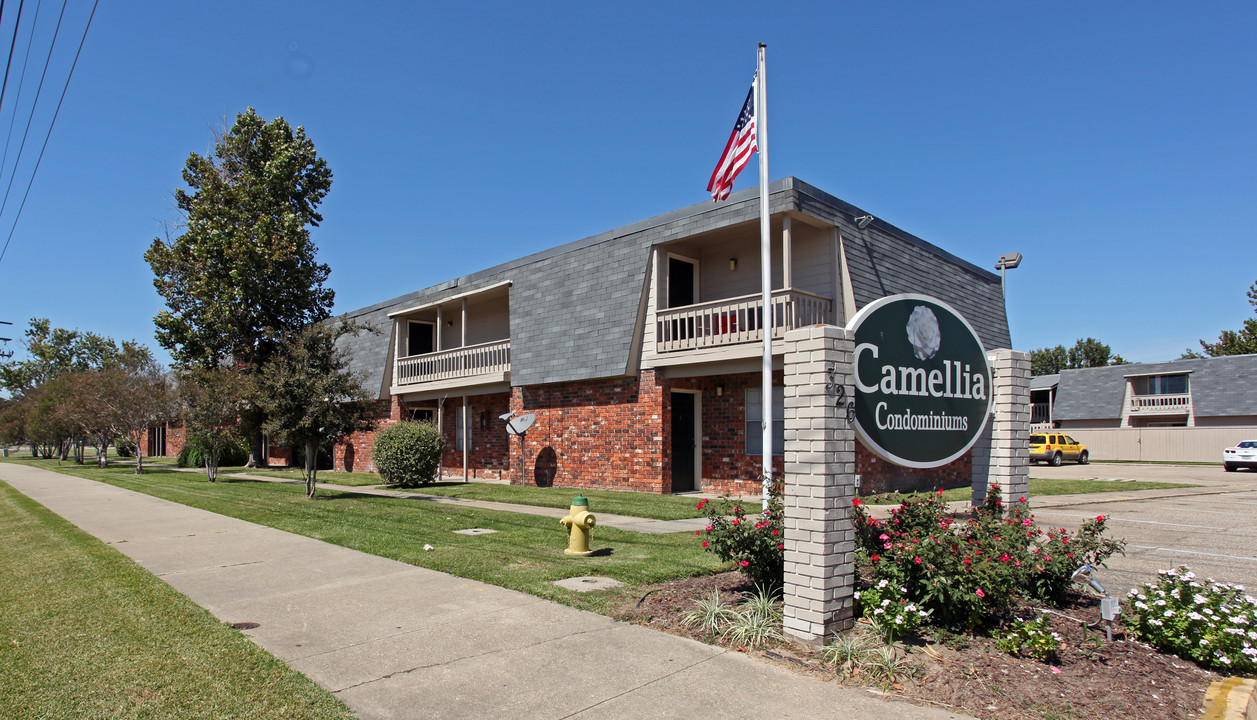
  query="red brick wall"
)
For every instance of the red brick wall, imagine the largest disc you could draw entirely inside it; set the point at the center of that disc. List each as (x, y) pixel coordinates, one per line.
(488, 457)
(597, 433)
(354, 452)
(726, 466)
(879, 476)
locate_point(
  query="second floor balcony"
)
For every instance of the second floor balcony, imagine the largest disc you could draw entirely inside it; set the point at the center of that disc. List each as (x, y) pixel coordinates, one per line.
(735, 321)
(1176, 404)
(491, 360)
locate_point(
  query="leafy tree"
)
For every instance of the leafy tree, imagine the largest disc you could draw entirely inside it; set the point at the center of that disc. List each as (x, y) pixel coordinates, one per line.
(1084, 354)
(309, 396)
(211, 400)
(1233, 342)
(244, 271)
(1048, 361)
(134, 397)
(52, 351)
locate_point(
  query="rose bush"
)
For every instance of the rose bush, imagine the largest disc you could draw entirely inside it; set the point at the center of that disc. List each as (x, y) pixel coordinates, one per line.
(966, 573)
(755, 544)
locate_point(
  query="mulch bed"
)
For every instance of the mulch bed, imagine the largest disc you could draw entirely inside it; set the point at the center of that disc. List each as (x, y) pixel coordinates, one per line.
(1090, 678)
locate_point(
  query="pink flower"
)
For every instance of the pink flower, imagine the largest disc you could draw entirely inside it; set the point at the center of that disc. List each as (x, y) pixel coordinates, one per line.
(1027, 522)
(700, 504)
(883, 536)
(706, 544)
(980, 593)
(698, 532)
(1005, 557)
(1099, 518)
(916, 559)
(744, 563)
(708, 528)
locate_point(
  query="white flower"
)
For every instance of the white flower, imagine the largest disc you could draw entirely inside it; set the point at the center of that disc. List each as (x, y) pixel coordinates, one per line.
(923, 332)
(883, 584)
(885, 603)
(1195, 616)
(1154, 621)
(1200, 599)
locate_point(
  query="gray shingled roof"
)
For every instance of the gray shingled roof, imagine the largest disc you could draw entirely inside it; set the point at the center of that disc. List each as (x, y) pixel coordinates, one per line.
(574, 308)
(1224, 386)
(1044, 382)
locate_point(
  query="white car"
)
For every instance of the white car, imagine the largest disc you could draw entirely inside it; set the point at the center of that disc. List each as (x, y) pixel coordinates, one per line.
(1242, 455)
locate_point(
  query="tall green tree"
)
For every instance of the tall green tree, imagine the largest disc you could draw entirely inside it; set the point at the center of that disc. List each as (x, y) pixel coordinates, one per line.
(52, 351)
(1086, 353)
(244, 272)
(1233, 342)
(309, 395)
(1048, 361)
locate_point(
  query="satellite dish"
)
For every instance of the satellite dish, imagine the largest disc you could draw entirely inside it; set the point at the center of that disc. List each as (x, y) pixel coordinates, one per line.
(519, 424)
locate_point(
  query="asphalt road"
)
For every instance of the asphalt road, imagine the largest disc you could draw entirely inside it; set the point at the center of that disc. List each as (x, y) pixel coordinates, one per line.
(1211, 528)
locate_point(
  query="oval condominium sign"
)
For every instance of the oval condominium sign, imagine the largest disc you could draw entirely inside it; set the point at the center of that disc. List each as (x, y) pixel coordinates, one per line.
(922, 383)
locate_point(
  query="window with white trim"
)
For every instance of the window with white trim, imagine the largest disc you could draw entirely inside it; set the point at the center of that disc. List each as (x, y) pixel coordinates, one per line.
(754, 416)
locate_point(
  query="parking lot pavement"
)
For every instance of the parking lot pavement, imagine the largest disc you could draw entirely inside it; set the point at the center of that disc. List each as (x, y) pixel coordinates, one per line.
(1211, 528)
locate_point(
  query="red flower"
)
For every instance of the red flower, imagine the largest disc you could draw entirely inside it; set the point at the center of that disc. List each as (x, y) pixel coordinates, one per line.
(781, 547)
(980, 593)
(705, 543)
(776, 532)
(1022, 499)
(744, 563)
(855, 502)
(698, 532)
(1005, 557)
(708, 528)
(967, 561)
(875, 558)
(916, 559)
(733, 522)
(1099, 518)
(700, 504)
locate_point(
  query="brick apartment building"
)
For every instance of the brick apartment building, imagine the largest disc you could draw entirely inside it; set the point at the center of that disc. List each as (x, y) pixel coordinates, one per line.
(639, 349)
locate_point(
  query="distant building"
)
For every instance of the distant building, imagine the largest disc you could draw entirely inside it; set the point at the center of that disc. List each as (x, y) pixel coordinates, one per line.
(1183, 410)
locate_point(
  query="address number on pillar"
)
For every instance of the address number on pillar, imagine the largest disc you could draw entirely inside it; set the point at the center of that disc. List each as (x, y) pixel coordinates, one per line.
(838, 391)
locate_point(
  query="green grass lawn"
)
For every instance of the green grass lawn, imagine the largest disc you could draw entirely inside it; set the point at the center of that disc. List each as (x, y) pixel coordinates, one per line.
(613, 502)
(86, 633)
(526, 552)
(1043, 486)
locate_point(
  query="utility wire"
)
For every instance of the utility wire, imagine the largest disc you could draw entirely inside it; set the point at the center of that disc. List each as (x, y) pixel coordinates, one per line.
(35, 103)
(52, 124)
(17, 24)
(17, 99)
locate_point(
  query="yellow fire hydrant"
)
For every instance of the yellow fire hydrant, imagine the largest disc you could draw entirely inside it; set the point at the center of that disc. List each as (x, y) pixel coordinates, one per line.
(578, 522)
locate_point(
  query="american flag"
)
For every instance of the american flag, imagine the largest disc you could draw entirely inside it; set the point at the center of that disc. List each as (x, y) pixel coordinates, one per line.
(737, 151)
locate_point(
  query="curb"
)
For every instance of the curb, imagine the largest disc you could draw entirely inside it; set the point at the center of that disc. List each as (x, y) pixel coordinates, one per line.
(1231, 699)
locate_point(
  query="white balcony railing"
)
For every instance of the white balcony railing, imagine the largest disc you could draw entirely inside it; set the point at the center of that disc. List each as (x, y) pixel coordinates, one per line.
(1161, 404)
(736, 320)
(463, 362)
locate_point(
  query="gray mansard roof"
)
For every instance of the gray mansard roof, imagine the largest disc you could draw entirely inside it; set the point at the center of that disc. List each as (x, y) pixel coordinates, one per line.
(1220, 387)
(574, 308)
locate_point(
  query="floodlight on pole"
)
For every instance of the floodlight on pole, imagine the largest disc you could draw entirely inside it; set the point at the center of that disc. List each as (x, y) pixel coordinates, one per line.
(1007, 261)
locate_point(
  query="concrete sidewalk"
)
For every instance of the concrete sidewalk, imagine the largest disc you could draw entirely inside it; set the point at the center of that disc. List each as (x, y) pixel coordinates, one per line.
(397, 641)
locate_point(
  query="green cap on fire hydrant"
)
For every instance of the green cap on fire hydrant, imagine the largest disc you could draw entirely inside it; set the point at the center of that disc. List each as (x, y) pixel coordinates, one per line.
(580, 500)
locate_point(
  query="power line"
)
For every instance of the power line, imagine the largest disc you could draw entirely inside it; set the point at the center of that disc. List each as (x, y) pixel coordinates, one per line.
(34, 104)
(16, 24)
(26, 59)
(51, 125)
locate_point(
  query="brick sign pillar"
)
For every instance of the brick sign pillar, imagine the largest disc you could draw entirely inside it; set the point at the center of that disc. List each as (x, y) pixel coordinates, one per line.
(820, 483)
(1002, 455)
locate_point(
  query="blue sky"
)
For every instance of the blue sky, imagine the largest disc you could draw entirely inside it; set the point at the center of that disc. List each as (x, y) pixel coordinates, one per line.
(1112, 144)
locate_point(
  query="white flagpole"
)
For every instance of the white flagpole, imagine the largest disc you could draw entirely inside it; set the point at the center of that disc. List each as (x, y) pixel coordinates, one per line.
(765, 251)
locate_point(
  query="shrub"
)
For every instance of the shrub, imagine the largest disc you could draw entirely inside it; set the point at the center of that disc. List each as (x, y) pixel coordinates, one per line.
(967, 573)
(756, 545)
(887, 606)
(1031, 638)
(408, 454)
(1214, 624)
(193, 456)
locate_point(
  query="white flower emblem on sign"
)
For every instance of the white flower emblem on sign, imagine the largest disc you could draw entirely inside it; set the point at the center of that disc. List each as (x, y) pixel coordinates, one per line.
(923, 332)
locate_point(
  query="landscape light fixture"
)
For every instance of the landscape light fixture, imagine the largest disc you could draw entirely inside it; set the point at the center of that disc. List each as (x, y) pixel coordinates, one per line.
(863, 221)
(733, 264)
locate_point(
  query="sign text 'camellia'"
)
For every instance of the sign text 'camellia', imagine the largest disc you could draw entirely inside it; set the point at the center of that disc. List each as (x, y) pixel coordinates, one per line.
(922, 383)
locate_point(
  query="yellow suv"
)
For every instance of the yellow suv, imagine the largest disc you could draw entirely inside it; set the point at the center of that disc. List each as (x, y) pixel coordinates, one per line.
(1054, 448)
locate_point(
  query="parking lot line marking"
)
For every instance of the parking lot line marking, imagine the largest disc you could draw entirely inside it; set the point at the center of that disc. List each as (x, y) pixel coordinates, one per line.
(1116, 518)
(1195, 552)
